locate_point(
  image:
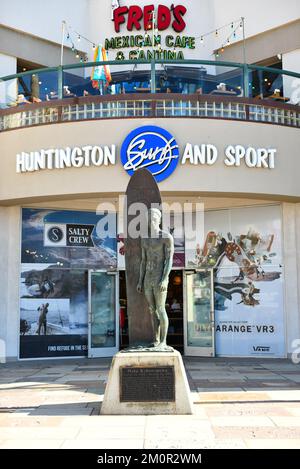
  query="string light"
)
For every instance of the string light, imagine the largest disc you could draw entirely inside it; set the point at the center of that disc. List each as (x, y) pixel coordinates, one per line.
(217, 31)
(152, 25)
(83, 58)
(228, 40)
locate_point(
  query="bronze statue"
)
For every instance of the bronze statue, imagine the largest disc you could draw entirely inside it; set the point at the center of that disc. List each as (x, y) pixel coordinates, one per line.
(156, 264)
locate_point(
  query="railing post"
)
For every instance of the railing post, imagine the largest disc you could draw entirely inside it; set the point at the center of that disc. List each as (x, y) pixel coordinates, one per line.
(246, 80)
(60, 83)
(153, 77)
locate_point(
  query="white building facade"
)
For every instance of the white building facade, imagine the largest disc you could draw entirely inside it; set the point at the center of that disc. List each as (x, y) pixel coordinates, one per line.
(67, 138)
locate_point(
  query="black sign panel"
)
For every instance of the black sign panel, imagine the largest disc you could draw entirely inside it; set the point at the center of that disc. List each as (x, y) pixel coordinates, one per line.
(53, 346)
(80, 235)
(148, 384)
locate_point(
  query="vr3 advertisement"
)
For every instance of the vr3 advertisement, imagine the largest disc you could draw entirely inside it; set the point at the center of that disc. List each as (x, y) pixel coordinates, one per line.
(243, 248)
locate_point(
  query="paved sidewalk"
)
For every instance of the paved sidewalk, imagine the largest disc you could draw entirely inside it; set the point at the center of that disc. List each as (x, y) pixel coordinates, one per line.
(239, 403)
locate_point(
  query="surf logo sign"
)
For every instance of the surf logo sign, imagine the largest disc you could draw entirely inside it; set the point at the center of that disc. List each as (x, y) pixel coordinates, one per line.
(152, 148)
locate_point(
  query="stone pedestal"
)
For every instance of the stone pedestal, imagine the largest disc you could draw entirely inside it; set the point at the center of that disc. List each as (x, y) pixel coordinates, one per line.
(147, 383)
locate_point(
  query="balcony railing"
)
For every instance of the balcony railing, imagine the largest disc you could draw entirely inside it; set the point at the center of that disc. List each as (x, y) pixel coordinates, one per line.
(200, 89)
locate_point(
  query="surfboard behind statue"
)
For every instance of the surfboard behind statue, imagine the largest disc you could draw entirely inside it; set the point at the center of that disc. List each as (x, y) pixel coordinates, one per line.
(142, 188)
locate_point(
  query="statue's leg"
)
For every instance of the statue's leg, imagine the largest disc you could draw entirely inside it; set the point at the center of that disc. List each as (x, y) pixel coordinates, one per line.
(160, 299)
(149, 294)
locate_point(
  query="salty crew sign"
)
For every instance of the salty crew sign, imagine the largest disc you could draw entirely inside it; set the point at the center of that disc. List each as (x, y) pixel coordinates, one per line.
(68, 235)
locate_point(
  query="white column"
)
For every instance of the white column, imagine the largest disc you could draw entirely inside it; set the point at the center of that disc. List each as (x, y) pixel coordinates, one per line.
(291, 86)
(9, 280)
(3, 280)
(8, 89)
(291, 256)
(14, 261)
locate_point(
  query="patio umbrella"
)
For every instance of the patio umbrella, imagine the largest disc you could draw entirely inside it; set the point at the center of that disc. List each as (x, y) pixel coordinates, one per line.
(101, 76)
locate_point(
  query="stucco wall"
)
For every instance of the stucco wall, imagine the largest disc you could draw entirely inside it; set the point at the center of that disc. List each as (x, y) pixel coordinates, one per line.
(283, 181)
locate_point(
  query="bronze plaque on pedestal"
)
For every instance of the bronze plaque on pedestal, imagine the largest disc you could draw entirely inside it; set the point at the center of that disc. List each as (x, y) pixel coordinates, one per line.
(147, 384)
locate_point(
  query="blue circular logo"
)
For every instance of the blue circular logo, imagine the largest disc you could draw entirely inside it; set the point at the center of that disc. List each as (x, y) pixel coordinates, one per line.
(152, 148)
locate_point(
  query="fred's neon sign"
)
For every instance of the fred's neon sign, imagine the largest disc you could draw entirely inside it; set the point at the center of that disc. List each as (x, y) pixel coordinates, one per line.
(139, 18)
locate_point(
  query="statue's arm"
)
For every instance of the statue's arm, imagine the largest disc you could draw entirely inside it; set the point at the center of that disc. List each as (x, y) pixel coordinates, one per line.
(142, 270)
(169, 253)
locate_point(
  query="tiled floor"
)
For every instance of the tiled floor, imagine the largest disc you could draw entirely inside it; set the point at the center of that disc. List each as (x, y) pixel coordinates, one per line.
(238, 403)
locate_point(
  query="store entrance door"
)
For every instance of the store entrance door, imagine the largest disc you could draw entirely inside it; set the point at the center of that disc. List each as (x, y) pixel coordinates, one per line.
(103, 318)
(199, 330)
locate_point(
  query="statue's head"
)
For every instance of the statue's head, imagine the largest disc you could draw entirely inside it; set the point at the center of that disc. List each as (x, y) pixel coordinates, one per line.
(154, 217)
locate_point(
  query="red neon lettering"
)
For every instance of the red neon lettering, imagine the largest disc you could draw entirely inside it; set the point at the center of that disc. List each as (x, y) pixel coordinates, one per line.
(119, 17)
(134, 16)
(179, 24)
(148, 16)
(163, 17)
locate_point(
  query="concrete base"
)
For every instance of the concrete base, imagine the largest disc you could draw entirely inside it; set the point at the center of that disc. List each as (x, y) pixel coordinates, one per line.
(113, 406)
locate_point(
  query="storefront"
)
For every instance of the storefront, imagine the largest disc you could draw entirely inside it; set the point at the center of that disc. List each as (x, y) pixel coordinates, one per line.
(225, 295)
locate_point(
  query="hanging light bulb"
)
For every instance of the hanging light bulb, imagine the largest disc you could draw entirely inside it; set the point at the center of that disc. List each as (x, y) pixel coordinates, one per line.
(77, 55)
(231, 25)
(234, 34)
(217, 53)
(202, 39)
(68, 36)
(81, 59)
(228, 41)
(94, 46)
(241, 25)
(217, 33)
(222, 50)
(78, 38)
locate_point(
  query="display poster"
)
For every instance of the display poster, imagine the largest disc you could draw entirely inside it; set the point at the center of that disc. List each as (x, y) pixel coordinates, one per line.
(243, 248)
(53, 312)
(58, 248)
(68, 239)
